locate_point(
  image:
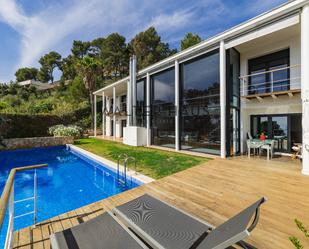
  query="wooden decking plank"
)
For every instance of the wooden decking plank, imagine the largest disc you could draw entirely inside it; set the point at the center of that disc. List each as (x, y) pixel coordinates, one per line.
(215, 191)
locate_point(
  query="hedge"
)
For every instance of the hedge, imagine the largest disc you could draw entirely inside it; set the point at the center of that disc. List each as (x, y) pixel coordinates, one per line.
(25, 125)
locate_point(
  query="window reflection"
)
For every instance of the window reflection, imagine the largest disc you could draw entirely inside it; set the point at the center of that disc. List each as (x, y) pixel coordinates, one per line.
(141, 103)
(163, 104)
(200, 110)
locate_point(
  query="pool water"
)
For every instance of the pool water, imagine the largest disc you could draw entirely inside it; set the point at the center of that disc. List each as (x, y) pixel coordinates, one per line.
(71, 180)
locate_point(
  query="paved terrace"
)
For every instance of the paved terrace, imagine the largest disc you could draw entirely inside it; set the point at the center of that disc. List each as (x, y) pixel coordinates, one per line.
(213, 191)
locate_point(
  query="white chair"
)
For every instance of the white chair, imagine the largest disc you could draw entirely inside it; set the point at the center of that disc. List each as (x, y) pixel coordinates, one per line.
(269, 148)
(252, 145)
(249, 135)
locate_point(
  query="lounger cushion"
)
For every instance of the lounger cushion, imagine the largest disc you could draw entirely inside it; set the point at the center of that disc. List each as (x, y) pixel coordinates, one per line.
(98, 233)
(161, 225)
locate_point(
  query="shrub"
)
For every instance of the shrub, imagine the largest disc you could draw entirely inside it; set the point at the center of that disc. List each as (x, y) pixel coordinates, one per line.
(70, 130)
(295, 241)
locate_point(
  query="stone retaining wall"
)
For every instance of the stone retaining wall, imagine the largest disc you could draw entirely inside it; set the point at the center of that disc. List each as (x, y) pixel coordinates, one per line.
(34, 142)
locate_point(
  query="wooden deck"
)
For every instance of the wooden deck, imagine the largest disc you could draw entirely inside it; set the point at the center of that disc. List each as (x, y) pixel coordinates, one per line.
(214, 191)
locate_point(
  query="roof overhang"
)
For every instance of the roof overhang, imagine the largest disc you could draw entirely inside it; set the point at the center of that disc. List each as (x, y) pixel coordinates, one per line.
(267, 18)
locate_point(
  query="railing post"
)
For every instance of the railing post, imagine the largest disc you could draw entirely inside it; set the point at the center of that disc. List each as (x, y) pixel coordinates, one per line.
(34, 196)
(243, 86)
(9, 234)
(272, 81)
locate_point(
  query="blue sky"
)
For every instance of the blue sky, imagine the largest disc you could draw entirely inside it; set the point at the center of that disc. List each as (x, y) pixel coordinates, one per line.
(31, 28)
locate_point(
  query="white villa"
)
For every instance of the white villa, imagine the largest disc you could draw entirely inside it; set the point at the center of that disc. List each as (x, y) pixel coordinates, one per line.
(212, 97)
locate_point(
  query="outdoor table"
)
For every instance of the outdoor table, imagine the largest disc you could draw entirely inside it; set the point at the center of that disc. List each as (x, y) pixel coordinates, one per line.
(258, 143)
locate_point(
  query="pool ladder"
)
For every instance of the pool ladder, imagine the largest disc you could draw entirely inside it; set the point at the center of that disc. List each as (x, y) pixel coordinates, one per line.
(126, 159)
(7, 202)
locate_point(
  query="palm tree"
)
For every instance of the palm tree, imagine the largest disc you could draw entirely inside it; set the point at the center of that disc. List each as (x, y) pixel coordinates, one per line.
(89, 68)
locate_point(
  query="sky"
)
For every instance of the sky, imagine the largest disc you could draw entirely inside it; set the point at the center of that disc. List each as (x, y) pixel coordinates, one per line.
(32, 28)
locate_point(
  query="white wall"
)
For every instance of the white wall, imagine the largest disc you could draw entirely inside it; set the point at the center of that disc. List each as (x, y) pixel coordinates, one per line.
(281, 105)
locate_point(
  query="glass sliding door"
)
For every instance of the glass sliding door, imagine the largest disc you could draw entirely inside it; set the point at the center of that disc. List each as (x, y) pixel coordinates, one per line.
(285, 129)
(200, 104)
(233, 102)
(141, 103)
(163, 108)
(270, 73)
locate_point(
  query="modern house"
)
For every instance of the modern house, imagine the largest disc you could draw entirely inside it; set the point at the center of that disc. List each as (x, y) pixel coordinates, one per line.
(248, 80)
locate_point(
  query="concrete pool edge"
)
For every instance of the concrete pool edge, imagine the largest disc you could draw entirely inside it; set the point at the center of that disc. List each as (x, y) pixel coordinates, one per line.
(140, 178)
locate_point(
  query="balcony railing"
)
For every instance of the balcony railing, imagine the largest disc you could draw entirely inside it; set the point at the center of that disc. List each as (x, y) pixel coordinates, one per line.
(284, 79)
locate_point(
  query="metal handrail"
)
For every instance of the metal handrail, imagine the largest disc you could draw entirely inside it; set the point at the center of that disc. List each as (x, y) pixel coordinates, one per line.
(270, 71)
(245, 87)
(8, 194)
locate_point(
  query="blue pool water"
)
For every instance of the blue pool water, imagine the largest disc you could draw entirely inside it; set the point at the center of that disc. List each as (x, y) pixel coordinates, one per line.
(71, 180)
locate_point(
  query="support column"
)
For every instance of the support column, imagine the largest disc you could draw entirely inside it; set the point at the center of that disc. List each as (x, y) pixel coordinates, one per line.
(177, 144)
(128, 103)
(103, 114)
(134, 90)
(148, 109)
(223, 98)
(305, 86)
(114, 110)
(95, 115)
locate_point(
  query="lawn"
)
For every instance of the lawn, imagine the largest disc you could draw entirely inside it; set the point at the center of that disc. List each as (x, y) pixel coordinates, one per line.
(151, 162)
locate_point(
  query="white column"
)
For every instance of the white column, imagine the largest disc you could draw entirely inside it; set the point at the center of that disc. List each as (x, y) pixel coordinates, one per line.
(223, 98)
(148, 109)
(177, 144)
(134, 90)
(95, 115)
(114, 110)
(128, 103)
(103, 114)
(305, 86)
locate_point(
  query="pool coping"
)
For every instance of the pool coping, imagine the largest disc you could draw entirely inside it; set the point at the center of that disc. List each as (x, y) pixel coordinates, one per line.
(139, 178)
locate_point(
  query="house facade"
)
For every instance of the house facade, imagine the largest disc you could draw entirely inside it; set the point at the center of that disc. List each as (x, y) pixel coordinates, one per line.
(248, 80)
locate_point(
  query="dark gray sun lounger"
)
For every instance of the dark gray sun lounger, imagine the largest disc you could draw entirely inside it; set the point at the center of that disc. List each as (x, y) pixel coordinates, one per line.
(164, 226)
(104, 231)
(149, 221)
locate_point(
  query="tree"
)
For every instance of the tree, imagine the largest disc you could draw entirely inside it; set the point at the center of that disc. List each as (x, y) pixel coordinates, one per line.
(115, 56)
(48, 63)
(80, 49)
(148, 48)
(189, 40)
(26, 73)
(68, 68)
(89, 67)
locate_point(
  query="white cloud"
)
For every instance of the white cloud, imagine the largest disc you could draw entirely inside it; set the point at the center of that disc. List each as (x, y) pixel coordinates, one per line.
(49, 28)
(166, 22)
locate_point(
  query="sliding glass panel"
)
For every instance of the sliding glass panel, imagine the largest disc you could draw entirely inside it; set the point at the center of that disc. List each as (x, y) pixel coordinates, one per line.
(270, 73)
(296, 129)
(200, 110)
(259, 124)
(163, 108)
(280, 132)
(141, 103)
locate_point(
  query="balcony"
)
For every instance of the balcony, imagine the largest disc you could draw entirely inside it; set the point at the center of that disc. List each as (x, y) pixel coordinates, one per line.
(274, 83)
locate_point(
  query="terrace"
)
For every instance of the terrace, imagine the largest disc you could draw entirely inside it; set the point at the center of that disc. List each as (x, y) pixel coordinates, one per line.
(213, 191)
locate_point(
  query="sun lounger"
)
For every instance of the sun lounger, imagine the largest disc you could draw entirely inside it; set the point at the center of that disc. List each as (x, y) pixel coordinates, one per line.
(164, 226)
(104, 231)
(147, 221)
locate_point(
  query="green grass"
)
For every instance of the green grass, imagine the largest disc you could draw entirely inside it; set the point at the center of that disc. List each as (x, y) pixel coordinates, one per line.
(151, 162)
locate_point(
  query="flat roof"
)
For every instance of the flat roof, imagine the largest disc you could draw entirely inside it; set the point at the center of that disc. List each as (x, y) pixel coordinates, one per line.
(253, 23)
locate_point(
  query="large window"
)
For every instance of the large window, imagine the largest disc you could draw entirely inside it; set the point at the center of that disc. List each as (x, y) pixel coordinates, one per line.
(200, 104)
(141, 103)
(233, 102)
(285, 129)
(269, 73)
(163, 108)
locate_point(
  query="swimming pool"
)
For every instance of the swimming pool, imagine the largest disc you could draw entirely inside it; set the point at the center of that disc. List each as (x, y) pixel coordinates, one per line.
(71, 180)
